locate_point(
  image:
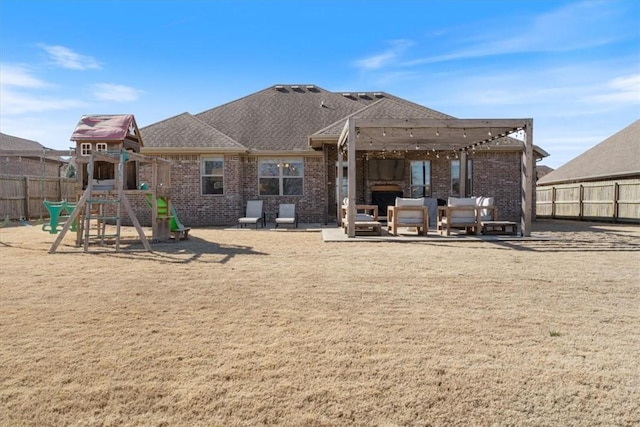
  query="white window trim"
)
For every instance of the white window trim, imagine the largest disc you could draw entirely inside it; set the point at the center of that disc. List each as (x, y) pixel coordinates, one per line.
(281, 176)
(202, 174)
(85, 149)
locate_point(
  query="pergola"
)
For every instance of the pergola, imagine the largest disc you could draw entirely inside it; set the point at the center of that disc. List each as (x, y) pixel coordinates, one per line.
(458, 137)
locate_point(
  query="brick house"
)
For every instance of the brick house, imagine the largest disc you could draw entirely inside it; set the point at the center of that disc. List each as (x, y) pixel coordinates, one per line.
(282, 145)
(24, 157)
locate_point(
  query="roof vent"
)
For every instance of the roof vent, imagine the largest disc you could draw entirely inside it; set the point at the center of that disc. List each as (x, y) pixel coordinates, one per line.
(378, 94)
(294, 87)
(311, 87)
(279, 87)
(347, 95)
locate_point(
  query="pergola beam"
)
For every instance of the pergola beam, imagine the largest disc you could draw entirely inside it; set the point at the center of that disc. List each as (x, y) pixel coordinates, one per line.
(440, 123)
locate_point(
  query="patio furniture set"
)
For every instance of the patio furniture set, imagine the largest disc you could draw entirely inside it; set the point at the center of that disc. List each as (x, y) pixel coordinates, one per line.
(474, 215)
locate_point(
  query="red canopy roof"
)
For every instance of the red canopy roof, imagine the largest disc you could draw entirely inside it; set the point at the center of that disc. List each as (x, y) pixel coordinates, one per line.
(104, 127)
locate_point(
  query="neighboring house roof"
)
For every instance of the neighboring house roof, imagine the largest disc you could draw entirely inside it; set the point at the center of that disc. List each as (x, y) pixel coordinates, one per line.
(106, 127)
(281, 117)
(616, 156)
(542, 170)
(185, 131)
(15, 146)
(8, 142)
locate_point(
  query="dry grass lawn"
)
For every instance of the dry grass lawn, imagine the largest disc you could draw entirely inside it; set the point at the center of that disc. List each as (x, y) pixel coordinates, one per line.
(246, 328)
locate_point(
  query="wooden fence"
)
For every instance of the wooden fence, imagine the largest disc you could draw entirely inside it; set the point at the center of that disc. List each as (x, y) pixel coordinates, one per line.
(601, 201)
(22, 196)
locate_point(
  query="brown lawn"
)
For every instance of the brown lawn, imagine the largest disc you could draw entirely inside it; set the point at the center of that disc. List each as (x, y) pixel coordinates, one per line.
(246, 327)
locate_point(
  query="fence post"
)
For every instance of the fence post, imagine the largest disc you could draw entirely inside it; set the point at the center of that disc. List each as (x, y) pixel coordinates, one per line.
(616, 200)
(26, 197)
(553, 202)
(581, 204)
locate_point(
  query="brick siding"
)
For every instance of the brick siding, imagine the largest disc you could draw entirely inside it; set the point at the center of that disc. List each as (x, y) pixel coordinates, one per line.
(495, 174)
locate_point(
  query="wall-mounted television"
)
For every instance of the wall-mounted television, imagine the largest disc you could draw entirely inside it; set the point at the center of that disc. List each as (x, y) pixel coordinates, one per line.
(386, 169)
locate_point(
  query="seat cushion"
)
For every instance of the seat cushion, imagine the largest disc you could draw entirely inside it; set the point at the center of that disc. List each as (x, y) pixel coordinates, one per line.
(463, 215)
(401, 201)
(485, 214)
(412, 217)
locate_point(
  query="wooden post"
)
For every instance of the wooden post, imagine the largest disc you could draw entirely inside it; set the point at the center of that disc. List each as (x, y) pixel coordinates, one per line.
(325, 163)
(580, 202)
(339, 178)
(351, 173)
(26, 197)
(616, 200)
(527, 179)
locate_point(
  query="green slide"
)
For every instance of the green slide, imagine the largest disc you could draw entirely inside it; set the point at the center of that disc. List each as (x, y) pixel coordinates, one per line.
(175, 224)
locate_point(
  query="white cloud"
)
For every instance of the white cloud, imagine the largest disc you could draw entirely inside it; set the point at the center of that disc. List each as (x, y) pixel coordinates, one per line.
(18, 76)
(577, 26)
(66, 58)
(117, 93)
(624, 89)
(16, 103)
(385, 58)
(19, 93)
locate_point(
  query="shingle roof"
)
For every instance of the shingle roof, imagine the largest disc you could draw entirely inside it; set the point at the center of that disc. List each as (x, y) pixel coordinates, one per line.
(9, 142)
(282, 117)
(387, 107)
(186, 131)
(618, 155)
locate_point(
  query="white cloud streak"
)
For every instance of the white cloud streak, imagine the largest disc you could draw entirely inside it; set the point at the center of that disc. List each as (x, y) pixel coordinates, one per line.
(19, 76)
(114, 92)
(16, 103)
(67, 58)
(385, 58)
(580, 25)
(17, 85)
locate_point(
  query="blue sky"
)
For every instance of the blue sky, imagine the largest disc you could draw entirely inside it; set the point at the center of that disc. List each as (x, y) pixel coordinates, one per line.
(572, 66)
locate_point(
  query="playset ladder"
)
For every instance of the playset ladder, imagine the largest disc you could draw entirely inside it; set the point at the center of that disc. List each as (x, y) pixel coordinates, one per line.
(95, 205)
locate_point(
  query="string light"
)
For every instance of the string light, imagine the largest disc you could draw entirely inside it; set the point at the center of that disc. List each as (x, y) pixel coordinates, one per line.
(437, 132)
(464, 133)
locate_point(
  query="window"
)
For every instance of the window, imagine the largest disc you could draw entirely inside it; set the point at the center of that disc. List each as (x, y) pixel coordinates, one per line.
(101, 146)
(280, 177)
(212, 175)
(345, 178)
(455, 178)
(420, 178)
(85, 149)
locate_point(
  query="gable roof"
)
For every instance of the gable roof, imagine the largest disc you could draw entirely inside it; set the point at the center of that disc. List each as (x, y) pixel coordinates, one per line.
(616, 156)
(106, 127)
(282, 117)
(387, 107)
(9, 142)
(185, 131)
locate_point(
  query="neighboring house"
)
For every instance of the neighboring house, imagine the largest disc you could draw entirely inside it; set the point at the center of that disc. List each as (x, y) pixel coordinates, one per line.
(602, 183)
(23, 157)
(542, 170)
(280, 145)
